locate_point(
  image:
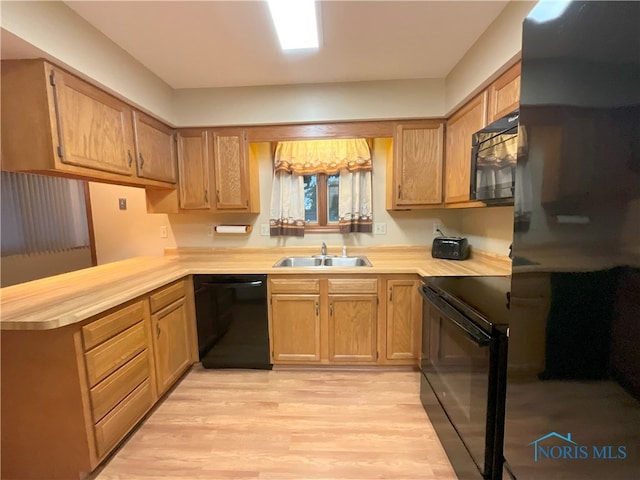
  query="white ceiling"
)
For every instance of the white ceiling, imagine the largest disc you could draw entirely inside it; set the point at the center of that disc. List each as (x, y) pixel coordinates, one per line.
(198, 44)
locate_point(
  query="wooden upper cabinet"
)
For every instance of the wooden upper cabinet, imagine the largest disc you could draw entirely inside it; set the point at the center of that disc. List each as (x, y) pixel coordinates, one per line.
(231, 168)
(94, 128)
(504, 94)
(415, 179)
(460, 127)
(155, 149)
(55, 123)
(193, 166)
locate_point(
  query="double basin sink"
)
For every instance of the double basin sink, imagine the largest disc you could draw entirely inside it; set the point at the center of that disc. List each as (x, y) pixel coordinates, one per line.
(323, 261)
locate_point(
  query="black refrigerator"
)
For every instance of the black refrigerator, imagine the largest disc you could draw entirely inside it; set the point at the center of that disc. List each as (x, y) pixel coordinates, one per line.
(573, 386)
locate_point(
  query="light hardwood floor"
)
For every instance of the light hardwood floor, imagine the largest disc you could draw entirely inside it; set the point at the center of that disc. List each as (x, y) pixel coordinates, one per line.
(285, 425)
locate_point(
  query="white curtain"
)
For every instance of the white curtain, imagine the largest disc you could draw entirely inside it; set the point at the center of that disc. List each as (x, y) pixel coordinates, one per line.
(42, 214)
(287, 205)
(355, 209)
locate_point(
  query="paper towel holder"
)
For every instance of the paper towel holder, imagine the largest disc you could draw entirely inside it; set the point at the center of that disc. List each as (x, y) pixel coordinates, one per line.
(241, 229)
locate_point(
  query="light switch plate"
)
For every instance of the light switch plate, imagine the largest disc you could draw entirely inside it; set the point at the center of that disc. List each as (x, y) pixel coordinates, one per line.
(210, 230)
(122, 203)
(380, 229)
(264, 229)
(163, 232)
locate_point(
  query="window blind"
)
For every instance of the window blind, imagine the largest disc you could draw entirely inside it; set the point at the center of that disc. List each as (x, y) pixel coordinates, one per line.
(41, 214)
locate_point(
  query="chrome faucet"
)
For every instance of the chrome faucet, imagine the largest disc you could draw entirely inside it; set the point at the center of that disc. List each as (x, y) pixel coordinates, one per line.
(323, 250)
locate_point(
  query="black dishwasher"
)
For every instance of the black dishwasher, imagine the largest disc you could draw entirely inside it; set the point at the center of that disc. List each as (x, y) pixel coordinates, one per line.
(232, 319)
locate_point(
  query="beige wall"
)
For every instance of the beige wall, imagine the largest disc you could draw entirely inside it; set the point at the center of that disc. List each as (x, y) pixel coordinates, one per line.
(24, 268)
(310, 103)
(495, 48)
(53, 30)
(121, 234)
(489, 229)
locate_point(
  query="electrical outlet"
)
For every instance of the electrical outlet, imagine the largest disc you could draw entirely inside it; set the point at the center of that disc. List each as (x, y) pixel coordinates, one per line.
(163, 232)
(122, 203)
(437, 226)
(380, 229)
(210, 230)
(264, 229)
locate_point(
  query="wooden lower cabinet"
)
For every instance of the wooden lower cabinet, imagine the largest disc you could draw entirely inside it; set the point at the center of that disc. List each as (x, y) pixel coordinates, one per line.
(340, 320)
(170, 344)
(71, 394)
(353, 327)
(404, 319)
(295, 328)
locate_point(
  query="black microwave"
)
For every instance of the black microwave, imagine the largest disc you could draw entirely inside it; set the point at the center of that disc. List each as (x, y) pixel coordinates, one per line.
(494, 152)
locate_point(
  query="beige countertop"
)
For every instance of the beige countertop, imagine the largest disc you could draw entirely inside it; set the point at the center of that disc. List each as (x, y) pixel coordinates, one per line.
(69, 298)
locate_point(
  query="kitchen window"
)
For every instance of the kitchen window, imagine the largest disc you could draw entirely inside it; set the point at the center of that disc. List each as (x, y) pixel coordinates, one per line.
(321, 197)
(321, 186)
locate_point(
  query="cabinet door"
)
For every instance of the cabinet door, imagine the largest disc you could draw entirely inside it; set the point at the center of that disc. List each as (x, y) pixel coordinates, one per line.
(295, 328)
(464, 123)
(404, 320)
(504, 94)
(352, 328)
(193, 165)
(95, 129)
(417, 166)
(231, 170)
(171, 343)
(155, 148)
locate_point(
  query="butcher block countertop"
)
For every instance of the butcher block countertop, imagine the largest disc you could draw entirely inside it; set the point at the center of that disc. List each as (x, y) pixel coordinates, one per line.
(69, 298)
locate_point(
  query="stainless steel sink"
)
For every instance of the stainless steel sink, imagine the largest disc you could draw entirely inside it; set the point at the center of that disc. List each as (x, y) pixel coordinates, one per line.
(323, 261)
(347, 262)
(299, 262)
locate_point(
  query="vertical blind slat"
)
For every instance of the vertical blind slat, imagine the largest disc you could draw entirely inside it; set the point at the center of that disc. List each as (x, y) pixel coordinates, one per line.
(42, 214)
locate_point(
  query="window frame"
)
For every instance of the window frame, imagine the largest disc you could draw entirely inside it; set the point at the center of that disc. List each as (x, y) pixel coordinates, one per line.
(323, 225)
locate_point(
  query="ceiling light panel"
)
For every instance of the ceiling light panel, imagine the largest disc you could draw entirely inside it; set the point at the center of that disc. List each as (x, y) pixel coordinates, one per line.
(296, 23)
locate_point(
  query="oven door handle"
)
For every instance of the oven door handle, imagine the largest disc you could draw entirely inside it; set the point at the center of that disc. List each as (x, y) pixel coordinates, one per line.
(479, 336)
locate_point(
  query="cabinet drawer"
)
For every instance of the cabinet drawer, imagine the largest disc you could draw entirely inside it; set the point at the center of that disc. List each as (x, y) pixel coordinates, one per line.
(353, 285)
(298, 285)
(109, 326)
(110, 430)
(108, 393)
(166, 296)
(112, 354)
